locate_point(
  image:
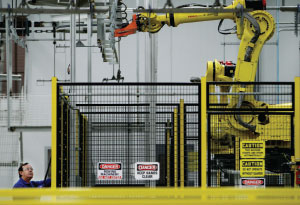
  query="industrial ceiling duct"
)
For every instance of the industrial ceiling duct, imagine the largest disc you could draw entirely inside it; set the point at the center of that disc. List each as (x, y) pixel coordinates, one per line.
(58, 3)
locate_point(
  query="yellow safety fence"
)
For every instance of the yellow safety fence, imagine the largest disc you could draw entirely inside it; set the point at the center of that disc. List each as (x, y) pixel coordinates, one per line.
(150, 196)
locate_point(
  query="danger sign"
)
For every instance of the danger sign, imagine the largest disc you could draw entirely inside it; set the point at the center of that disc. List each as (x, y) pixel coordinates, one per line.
(252, 168)
(109, 171)
(253, 182)
(252, 149)
(146, 171)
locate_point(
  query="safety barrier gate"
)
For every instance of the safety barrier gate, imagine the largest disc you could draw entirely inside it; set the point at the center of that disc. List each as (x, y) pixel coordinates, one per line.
(128, 134)
(250, 134)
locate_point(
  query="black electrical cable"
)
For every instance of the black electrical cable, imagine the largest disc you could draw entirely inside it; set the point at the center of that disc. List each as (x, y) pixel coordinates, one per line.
(45, 178)
(253, 40)
(224, 31)
(196, 5)
(191, 5)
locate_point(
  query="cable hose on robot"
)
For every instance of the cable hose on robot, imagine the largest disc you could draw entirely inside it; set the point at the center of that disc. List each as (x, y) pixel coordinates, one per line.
(249, 50)
(45, 178)
(239, 119)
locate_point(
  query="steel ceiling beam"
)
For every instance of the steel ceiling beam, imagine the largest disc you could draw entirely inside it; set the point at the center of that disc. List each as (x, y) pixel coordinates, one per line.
(51, 11)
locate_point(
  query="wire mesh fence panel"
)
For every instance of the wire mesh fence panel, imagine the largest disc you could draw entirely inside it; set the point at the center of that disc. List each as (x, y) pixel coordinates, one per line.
(256, 96)
(250, 134)
(112, 134)
(9, 157)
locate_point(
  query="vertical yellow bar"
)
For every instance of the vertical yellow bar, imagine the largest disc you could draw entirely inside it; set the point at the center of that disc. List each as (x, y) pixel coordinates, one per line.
(61, 141)
(85, 148)
(237, 153)
(168, 153)
(53, 132)
(175, 148)
(203, 134)
(181, 143)
(297, 119)
(77, 144)
(68, 145)
(83, 152)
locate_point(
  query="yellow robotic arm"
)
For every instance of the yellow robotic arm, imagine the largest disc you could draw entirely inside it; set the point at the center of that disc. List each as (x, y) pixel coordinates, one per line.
(253, 29)
(151, 22)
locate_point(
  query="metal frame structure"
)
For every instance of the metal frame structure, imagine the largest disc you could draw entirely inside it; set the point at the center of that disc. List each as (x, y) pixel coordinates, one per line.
(206, 111)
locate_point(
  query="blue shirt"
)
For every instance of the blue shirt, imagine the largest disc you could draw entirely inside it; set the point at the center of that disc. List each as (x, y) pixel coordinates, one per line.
(23, 184)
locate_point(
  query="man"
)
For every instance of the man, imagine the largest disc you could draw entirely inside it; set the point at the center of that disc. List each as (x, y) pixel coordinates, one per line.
(26, 174)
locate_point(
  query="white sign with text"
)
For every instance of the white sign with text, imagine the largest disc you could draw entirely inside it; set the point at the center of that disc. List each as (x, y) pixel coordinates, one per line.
(109, 171)
(146, 170)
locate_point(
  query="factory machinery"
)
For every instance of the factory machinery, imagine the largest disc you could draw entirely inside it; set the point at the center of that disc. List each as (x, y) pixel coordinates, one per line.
(243, 115)
(250, 134)
(249, 138)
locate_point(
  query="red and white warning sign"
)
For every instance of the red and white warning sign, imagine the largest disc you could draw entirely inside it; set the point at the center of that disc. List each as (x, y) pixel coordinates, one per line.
(146, 170)
(253, 182)
(109, 171)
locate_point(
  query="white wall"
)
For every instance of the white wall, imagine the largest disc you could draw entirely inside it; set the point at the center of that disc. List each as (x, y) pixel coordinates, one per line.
(34, 152)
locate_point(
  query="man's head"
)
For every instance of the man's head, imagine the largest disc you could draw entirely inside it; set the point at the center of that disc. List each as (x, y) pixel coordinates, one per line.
(26, 171)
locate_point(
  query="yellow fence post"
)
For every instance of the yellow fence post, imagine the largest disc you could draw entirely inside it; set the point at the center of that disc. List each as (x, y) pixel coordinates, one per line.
(181, 143)
(297, 119)
(77, 116)
(53, 133)
(84, 150)
(168, 153)
(61, 137)
(175, 147)
(203, 134)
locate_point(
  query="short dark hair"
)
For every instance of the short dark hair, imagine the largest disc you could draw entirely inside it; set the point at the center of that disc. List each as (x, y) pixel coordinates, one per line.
(21, 168)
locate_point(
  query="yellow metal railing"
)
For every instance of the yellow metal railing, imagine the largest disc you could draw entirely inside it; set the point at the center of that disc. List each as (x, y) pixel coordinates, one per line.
(151, 196)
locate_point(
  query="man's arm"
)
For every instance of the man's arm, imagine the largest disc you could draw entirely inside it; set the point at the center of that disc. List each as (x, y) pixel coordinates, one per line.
(42, 183)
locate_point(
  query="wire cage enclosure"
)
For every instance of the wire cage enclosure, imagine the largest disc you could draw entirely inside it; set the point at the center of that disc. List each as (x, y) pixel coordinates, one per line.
(250, 133)
(106, 132)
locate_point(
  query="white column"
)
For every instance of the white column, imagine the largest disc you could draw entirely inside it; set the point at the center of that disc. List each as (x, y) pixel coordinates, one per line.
(8, 68)
(89, 38)
(73, 47)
